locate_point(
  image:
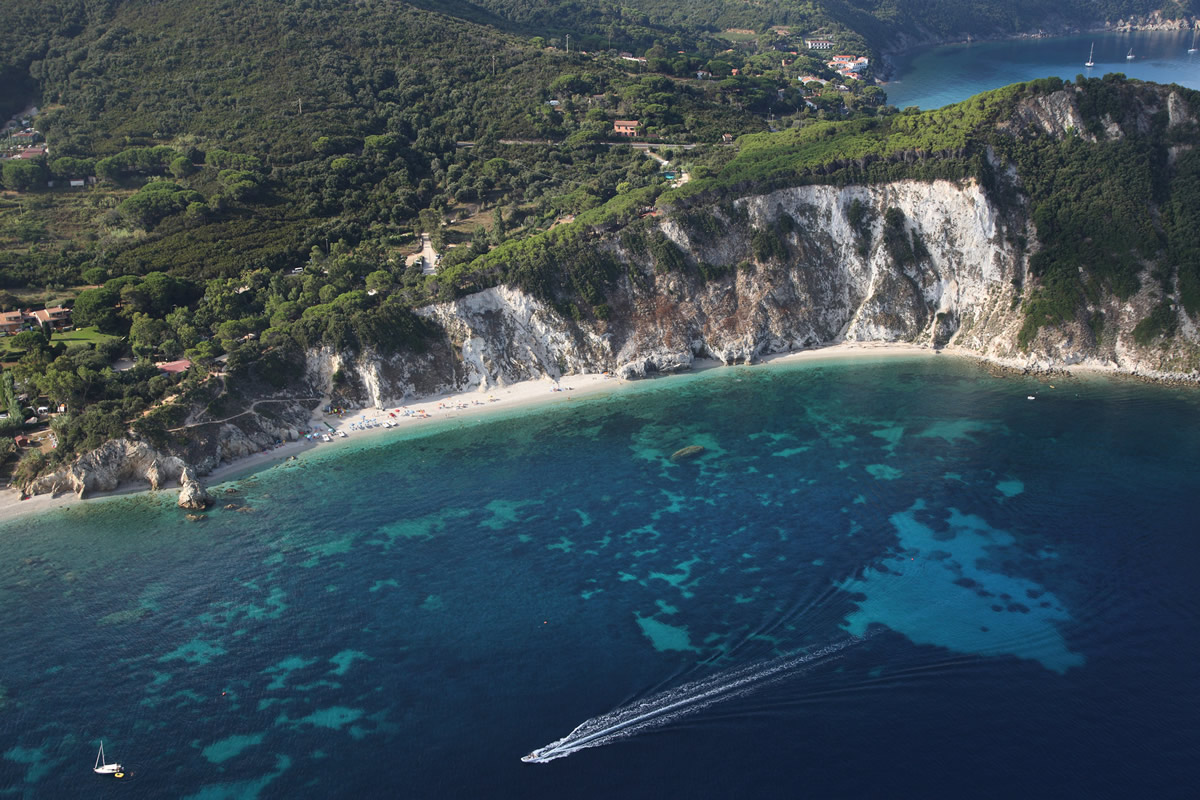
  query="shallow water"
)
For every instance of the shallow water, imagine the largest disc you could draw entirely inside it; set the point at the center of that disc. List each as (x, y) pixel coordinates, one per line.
(937, 76)
(409, 618)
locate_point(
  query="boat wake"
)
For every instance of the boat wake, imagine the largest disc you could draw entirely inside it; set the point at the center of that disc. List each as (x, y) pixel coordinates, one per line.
(668, 706)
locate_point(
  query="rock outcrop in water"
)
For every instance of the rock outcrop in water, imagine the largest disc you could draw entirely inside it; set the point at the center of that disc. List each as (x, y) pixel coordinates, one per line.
(193, 496)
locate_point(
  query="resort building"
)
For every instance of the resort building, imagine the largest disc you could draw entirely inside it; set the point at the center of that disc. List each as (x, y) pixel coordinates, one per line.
(848, 66)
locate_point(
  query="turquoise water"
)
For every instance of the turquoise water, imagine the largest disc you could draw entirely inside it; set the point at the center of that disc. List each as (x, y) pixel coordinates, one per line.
(891, 577)
(938, 76)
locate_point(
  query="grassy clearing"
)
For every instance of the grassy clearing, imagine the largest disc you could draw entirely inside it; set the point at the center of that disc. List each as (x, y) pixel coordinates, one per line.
(737, 36)
(75, 338)
(55, 217)
(82, 336)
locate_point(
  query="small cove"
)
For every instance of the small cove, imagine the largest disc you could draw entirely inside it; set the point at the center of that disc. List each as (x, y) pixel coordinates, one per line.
(938, 76)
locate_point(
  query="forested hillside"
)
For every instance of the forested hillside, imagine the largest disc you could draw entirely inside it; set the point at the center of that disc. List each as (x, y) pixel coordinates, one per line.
(246, 180)
(641, 23)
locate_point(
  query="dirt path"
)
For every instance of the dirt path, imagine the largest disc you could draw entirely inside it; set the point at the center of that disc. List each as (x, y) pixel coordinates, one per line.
(249, 410)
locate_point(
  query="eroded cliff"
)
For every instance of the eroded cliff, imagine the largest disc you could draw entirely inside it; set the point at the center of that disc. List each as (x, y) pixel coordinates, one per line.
(835, 275)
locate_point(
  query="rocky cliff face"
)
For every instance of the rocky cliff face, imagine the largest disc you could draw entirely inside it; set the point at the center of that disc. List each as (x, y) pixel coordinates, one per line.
(835, 283)
(110, 465)
(834, 278)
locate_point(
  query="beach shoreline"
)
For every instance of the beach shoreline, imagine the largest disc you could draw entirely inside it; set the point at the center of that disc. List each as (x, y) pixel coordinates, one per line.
(470, 404)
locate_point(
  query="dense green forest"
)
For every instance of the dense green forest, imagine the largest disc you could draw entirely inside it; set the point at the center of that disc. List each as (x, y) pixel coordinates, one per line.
(260, 171)
(873, 23)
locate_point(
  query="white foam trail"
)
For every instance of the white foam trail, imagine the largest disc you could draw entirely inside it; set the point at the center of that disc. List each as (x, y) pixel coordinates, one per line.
(672, 704)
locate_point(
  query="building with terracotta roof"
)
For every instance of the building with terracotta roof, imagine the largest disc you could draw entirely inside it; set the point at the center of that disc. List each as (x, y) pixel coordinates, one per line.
(11, 321)
(58, 317)
(15, 321)
(626, 127)
(174, 367)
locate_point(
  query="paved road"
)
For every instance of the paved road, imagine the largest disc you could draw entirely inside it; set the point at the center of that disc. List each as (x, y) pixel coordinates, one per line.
(547, 142)
(429, 267)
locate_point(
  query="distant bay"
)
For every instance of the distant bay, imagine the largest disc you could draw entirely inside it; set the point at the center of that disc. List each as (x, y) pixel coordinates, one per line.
(938, 76)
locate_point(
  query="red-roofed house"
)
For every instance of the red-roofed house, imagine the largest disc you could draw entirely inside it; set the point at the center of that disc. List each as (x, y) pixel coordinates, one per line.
(626, 127)
(174, 367)
(15, 321)
(11, 321)
(32, 152)
(58, 317)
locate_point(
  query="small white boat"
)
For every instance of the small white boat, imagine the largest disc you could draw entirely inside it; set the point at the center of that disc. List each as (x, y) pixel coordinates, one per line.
(325, 437)
(1091, 62)
(1130, 56)
(102, 767)
(1192, 49)
(342, 434)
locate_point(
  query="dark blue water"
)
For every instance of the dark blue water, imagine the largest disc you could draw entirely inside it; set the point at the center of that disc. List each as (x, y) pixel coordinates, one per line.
(938, 76)
(410, 619)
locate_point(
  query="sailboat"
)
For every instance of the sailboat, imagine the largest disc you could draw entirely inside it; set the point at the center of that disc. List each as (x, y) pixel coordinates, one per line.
(1091, 62)
(1192, 49)
(102, 767)
(1130, 56)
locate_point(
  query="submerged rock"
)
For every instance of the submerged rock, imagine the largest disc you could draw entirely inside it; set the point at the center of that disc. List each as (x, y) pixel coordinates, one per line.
(691, 451)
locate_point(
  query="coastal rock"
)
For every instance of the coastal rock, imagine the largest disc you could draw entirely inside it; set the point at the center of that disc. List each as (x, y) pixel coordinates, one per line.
(115, 462)
(154, 476)
(193, 495)
(656, 363)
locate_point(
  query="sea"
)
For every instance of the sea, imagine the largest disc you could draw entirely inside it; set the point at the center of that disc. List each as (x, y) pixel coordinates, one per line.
(900, 577)
(938, 76)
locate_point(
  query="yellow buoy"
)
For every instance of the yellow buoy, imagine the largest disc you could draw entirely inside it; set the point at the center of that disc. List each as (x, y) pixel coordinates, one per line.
(118, 774)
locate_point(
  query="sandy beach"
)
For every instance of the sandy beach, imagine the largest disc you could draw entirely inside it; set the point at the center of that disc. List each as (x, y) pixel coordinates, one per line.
(358, 424)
